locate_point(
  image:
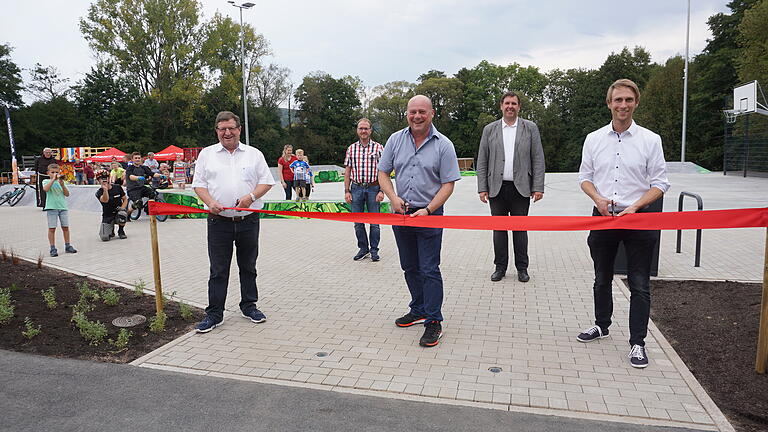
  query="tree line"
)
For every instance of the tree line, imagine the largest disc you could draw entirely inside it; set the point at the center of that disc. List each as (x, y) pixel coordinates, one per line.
(164, 72)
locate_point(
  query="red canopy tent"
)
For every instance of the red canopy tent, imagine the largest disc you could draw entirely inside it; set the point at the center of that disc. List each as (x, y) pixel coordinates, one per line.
(107, 155)
(169, 153)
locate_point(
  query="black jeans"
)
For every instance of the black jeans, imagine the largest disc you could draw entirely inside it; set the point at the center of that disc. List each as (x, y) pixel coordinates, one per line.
(639, 245)
(288, 189)
(509, 202)
(222, 235)
(39, 192)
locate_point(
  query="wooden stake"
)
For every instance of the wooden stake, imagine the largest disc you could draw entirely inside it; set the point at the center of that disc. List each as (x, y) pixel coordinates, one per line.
(762, 333)
(156, 263)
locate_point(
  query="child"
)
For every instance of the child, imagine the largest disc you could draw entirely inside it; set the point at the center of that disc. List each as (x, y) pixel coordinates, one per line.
(117, 174)
(179, 172)
(310, 179)
(300, 169)
(56, 208)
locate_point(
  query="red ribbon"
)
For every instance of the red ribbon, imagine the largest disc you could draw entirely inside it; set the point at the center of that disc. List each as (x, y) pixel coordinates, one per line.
(706, 219)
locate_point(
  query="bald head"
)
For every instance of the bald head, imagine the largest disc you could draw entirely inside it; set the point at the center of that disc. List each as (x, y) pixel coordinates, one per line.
(420, 114)
(420, 99)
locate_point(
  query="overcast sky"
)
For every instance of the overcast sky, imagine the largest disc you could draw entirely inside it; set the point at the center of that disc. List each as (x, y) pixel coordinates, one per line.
(383, 41)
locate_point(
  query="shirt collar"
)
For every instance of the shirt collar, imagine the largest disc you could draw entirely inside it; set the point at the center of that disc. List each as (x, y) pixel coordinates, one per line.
(631, 131)
(505, 125)
(432, 133)
(221, 147)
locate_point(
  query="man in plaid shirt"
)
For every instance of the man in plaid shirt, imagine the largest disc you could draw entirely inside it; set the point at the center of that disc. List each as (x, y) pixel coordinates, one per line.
(361, 187)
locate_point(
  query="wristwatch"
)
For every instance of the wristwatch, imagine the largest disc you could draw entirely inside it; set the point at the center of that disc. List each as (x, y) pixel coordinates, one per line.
(253, 197)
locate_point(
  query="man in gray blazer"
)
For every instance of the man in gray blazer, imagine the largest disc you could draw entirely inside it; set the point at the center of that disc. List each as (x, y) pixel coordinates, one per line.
(510, 171)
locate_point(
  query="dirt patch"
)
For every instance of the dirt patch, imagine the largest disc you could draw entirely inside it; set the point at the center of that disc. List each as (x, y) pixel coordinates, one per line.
(713, 327)
(59, 337)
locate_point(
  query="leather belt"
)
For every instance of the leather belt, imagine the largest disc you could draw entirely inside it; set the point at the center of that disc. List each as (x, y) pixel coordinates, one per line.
(235, 219)
(374, 183)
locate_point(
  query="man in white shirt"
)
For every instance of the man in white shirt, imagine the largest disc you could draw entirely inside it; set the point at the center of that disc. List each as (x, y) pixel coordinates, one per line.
(510, 172)
(622, 171)
(231, 174)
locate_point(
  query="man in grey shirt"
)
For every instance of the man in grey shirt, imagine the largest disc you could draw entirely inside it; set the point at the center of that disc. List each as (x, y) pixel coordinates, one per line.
(425, 165)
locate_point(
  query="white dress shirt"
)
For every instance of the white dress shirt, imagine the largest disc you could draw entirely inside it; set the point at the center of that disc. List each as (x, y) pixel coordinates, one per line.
(623, 166)
(229, 176)
(509, 135)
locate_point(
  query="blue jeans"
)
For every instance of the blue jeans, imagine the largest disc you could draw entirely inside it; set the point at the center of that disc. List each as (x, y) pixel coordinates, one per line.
(364, 200)
(222, 235)
(419, 250)
(79, 177)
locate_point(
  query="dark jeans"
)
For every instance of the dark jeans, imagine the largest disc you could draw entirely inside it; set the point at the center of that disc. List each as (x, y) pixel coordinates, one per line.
(39, 192)
(509, 202)
(222, 234)
(639, 245)
(364, 200)
(419, 250)
(288, 189)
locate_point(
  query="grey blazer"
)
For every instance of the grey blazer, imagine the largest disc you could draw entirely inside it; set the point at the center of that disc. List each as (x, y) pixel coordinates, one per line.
(528, 169)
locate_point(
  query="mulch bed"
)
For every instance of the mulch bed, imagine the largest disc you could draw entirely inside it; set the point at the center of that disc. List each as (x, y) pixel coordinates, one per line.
(59, 337)
(713, 327)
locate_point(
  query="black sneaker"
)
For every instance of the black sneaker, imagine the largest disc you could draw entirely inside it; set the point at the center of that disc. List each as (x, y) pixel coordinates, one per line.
(54, 252)
(638, 357)
(433, 331)
(255, 315)
(360, 255)
(375, 257)
(592, 333)
(408, 320)
(122, 235)
(207, 324)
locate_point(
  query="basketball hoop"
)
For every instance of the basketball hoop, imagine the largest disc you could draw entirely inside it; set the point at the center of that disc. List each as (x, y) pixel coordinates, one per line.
(731, 115)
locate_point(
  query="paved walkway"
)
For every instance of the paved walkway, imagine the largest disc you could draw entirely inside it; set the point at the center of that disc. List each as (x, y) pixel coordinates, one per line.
(319, 301)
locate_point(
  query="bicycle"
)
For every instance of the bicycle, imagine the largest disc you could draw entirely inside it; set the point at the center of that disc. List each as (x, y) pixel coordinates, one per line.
(142, 205)
(12, 197)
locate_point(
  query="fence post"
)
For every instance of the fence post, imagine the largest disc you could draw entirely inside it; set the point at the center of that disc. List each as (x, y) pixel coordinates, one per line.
(156, 261)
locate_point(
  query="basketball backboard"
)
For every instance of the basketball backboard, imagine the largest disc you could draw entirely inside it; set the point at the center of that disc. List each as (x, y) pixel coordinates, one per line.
(745, 97)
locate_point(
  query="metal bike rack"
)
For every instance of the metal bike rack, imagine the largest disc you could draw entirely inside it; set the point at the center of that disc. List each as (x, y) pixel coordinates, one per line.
(700, 203)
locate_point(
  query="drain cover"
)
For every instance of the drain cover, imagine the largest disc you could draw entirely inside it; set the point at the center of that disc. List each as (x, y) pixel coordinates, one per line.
(494, 369)
(129, 321)
(321, 354)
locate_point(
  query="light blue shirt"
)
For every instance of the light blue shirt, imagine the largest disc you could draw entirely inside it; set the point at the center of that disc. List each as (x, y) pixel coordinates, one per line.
(419, 173)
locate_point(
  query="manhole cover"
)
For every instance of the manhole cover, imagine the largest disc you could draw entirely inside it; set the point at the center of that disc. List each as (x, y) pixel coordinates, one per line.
(129, 320)
(494, 369)
(321, 354)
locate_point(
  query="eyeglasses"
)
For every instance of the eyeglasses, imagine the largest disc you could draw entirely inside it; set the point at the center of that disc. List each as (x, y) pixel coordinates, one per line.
(227, 129)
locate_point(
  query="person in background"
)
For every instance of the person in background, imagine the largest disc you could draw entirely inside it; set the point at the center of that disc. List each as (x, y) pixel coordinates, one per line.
(300, 168)
(179, 172)
(117, 174)
(309, 178)
(56, 208)
(126, 161)
(114, 202)
(79, 175)
(165, 180)
(41, 168)
(284, 172)
(89, 173)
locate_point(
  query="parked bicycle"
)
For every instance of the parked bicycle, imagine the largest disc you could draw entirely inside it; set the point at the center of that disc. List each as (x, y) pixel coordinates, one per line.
(13, 196)
(140, 205)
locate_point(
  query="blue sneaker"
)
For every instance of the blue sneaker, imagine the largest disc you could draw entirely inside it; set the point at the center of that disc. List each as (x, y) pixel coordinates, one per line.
(208, 324)
(54, 252)
(255, 315)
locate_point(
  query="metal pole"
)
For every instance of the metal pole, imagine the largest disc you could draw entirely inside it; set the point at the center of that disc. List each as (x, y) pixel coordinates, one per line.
(685, 82)
(746, 143)
(245, 87)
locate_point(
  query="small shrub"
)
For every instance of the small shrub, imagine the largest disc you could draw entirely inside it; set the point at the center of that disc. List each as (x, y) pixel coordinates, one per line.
(4, 254)
(157, 323)
(93, 332)
(6, 306)
(122, 340)
(138, 288)
(31, 331)
(87, 291)
(185, 311)
(49, 296)
(14, 259)
(40, 261)
(83, 306)
(13, 288)
(110, 296)
(167, 299)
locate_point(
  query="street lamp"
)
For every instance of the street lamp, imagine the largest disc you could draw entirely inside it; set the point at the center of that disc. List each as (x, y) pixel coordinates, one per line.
(242, 60)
